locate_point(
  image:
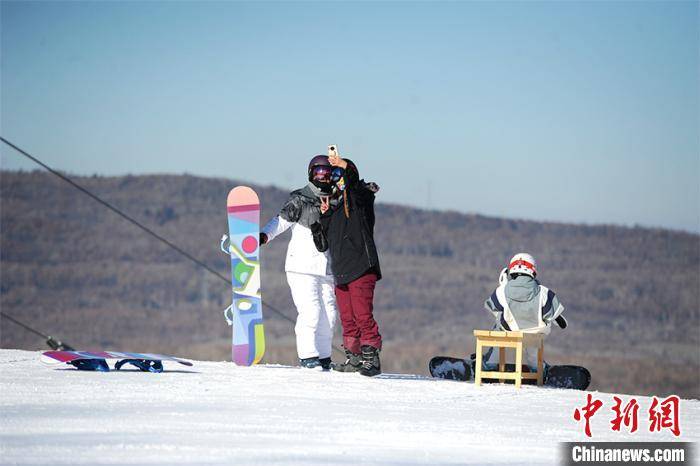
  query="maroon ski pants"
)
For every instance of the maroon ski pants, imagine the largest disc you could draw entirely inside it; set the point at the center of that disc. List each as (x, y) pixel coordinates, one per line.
(355, 302)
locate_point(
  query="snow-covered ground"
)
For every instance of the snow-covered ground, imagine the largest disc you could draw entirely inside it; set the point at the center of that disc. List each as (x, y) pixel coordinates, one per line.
(217, 413)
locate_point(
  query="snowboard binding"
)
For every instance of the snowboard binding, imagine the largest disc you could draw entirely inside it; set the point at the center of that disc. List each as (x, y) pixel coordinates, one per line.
(99, 365)
(228, 315)
(225, 249)
(144, 365)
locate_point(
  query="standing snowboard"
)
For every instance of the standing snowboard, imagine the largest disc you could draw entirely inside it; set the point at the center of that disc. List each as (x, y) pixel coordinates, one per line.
(245, 314)
(573, 377)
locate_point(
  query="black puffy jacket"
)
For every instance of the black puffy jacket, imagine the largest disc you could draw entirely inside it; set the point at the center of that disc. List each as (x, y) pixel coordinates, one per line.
(349, 229)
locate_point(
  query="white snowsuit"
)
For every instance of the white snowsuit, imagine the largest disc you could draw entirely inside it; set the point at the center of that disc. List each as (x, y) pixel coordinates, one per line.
(308, 274)
(523, 304)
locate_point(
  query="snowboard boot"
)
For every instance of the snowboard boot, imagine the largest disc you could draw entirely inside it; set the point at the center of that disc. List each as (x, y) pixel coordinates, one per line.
(99, 365)
(325, 363)
(370, 361)
(353, 363)
(310, 363)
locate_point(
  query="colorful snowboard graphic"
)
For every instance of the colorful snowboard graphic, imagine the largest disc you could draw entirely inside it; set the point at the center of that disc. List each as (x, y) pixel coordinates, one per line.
(243, 209)
(53, 357)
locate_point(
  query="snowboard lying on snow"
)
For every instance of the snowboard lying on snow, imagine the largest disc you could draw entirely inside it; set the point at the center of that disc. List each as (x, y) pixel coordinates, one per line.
(96, 360)
(573, 377)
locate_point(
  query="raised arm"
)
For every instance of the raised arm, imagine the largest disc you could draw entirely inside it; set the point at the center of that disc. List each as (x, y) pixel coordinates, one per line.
(288, 216)
(274, 228)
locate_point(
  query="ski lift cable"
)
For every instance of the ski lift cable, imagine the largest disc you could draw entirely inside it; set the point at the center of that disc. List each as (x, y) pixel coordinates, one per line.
(25, 326)
(114, 209)
(51, 341)
(139, 225)
(128, 218)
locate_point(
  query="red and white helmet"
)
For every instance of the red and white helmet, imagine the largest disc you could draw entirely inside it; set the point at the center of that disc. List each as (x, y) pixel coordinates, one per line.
(523, 263)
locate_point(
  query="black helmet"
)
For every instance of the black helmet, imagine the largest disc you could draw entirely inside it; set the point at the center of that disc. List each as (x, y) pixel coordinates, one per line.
(318, 161)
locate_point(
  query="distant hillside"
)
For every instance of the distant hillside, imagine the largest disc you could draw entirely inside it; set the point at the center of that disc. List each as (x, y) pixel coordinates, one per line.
(76, 270)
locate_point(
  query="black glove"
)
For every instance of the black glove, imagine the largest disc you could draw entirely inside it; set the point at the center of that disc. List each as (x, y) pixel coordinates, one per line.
(263, 238)
(372, 186)
(561, 322)
(320, 239)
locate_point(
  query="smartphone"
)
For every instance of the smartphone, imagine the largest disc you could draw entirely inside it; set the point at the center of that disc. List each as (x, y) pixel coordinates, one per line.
(333, 150)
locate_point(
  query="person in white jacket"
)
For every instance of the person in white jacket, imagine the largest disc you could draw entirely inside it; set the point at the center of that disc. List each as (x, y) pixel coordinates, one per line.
(308, 271)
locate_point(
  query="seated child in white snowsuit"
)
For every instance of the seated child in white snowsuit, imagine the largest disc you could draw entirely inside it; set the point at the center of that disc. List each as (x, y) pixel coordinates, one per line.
(521, 303)
(309, 272)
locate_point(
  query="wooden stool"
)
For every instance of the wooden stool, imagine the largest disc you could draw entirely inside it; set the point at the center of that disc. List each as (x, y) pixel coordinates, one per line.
(503, 340)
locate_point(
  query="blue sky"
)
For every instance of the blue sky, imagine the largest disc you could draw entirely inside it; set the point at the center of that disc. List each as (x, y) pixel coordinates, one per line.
(584, 112)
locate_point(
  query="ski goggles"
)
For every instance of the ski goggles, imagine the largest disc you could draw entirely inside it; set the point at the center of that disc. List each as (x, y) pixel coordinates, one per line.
(321, 173)
(336, 174)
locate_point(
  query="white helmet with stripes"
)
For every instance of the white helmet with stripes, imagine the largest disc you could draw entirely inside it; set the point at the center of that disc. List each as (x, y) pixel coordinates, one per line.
(523, 263)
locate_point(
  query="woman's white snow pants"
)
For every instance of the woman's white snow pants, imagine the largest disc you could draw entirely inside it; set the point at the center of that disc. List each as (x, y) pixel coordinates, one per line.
(314, 297)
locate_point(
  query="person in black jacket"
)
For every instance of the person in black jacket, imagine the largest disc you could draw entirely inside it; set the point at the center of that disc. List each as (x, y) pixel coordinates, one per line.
(347, 223)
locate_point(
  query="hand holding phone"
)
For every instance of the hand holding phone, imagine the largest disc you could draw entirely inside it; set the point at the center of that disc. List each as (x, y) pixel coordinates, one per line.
(333, 150)
(334, 156)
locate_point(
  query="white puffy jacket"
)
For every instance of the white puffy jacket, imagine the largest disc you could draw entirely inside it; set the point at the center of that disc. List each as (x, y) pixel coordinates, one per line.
(302, 255)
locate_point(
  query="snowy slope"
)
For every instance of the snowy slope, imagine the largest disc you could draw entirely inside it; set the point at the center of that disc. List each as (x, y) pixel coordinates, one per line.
(217, 413)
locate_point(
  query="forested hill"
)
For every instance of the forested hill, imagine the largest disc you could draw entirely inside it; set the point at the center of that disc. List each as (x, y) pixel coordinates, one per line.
(76, 270)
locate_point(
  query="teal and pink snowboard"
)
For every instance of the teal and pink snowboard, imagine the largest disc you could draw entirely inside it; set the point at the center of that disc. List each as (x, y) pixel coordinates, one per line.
(245, 314)
(73, 357)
